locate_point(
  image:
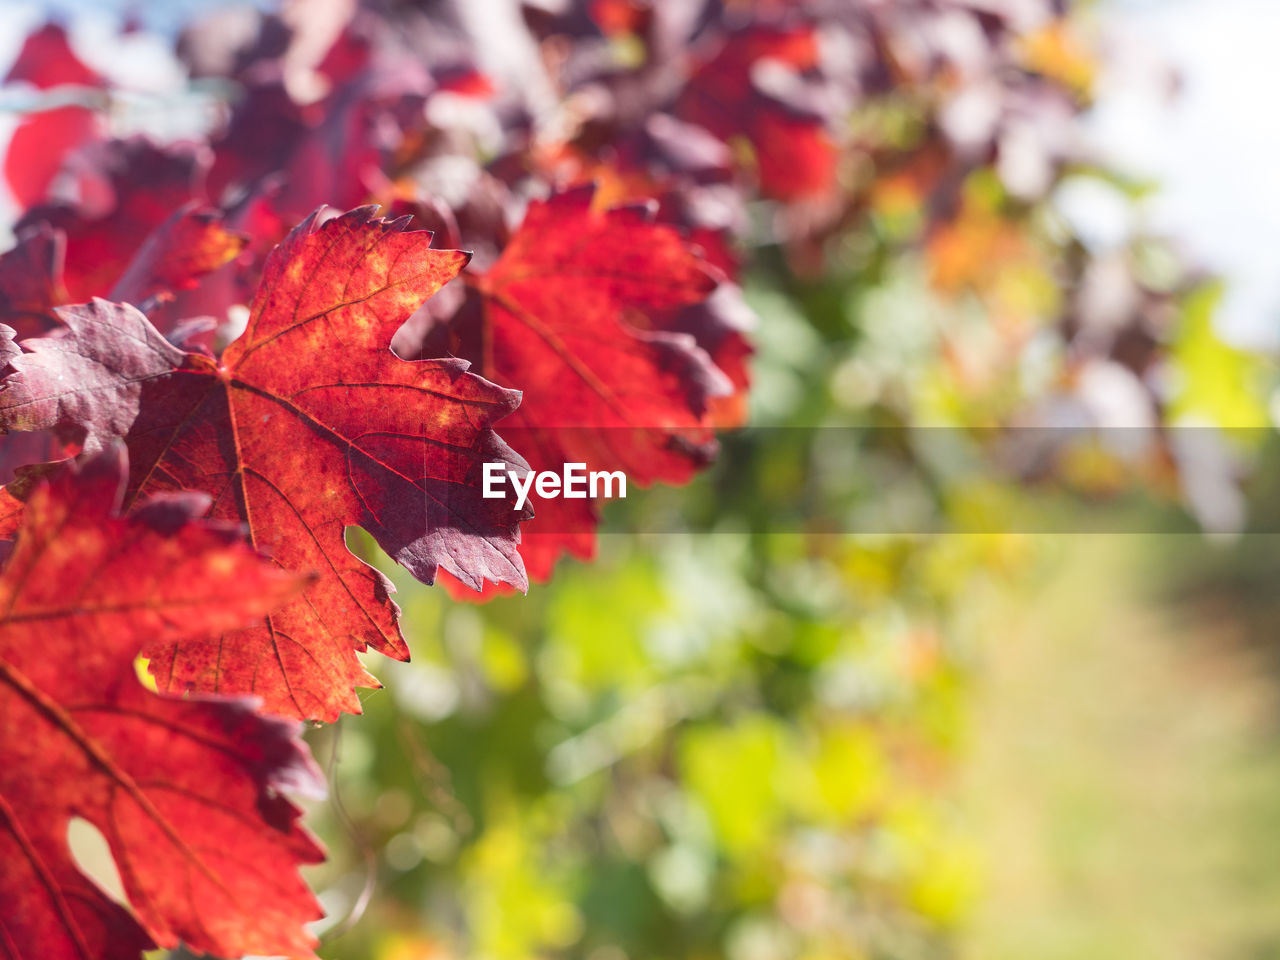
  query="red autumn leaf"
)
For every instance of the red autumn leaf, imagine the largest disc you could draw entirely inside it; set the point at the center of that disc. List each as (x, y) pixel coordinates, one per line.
(46, 60)
(795, 155)
(193, 242)
(681, 166)
(40, 144)
(185, 792)
(307, 424)
(16, 450)
(31, 282)
(43, 139)
(718, 324)
(146, 185)
(564, 311)
(205, 303)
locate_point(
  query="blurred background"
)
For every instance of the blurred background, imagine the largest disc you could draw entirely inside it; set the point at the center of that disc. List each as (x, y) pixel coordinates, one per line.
(1041, 297)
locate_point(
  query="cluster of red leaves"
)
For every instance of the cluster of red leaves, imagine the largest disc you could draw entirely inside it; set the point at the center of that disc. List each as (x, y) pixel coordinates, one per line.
(288, 371)
(119, 304)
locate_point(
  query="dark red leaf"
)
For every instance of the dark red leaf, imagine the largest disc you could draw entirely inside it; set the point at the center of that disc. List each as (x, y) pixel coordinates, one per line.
(146, 184)
(31, 282)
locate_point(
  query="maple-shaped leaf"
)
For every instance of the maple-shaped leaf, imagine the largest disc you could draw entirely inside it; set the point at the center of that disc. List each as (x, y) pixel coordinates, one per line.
(185, 792)
(562, 316)
(307, 423)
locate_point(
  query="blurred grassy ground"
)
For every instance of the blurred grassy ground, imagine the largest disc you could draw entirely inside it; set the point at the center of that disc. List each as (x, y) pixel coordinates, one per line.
(1125, 774)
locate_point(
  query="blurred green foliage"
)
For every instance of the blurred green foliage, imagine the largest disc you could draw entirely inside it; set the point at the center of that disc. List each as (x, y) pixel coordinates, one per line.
(736, 743)
(690, 749)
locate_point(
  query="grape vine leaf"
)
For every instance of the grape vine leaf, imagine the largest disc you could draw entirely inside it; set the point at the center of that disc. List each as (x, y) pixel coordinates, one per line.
(306, 424)
(185, 792)
(566, 313)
